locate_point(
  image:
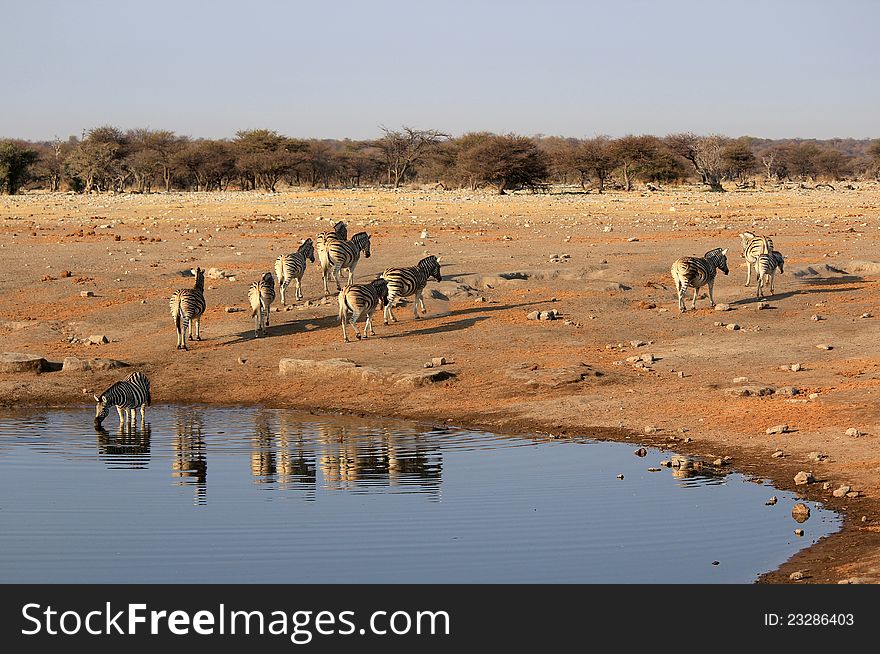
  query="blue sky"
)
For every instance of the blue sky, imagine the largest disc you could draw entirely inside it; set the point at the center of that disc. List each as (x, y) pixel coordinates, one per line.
(771, 68)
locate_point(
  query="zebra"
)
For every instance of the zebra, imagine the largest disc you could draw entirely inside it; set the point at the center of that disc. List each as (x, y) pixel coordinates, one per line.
(403, 282)
(126, 395)
(187, 306)
(344, 254)
(697, 272)
(765, 268)
(293, 266)
(752, 247)
(339, 231)
(360, 299)
(261, 296)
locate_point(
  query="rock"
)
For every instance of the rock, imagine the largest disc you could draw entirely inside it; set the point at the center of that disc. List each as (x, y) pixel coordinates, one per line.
(778, 429)
(817, 457)
(797, 575)
(641, 452)
(852, 431)
(19, 362)
(867, 315)
(749, 391)
(632, 239)
(800, 512)
(86, 294)
(773, 500)
(679, 461)
(778, 454)
(73, 364)
(242, 361)
(787, 390)
(813, 396)
(841, 491)
(638, 343)
(722, 307)
(548, 315)
(796, 367)
(740, 380)
(233, 309)
(825, 346)
(817, 317)
(855, 580)
(853, 494)
(826, 485)
(763, 305)
(438, 361)
(216, 273)
(803, 477)
(798, 532)
(533, 315)
(680, 374)
(650, 429)
(423, 378)
(733, 327)
(97, 339)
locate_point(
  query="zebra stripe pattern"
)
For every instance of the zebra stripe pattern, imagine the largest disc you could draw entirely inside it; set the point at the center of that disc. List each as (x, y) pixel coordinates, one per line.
(404, 282)
(361, 299)
(752, 247)
(696, 272)
(339, 232)
(261, 295)
(766, 266)
(127, 396)
(187, 306)
(344, 254)
(292, 267)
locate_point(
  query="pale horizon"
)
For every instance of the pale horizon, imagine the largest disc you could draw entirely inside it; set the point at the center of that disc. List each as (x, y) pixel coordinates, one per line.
(775, 69)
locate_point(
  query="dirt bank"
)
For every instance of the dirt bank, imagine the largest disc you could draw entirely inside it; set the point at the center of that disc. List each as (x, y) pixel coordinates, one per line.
(600, 261)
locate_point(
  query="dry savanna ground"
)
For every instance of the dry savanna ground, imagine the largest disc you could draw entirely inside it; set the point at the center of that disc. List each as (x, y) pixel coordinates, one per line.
(602, 262)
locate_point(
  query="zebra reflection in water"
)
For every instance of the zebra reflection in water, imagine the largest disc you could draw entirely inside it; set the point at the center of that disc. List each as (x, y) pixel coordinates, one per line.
(189, 464)
(128, 447)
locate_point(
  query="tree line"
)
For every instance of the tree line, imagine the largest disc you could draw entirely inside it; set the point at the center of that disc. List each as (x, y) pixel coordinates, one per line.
(143, 160)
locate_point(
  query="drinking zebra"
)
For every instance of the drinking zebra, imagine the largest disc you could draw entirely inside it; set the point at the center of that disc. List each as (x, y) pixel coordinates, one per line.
(126, 395)
(696, 272)
(360, 299)
(344, 254)
(261, 296)
(765, 268)
(339, 231)
(293, 267)
(403, 282)
(752, 247)
(187, 307)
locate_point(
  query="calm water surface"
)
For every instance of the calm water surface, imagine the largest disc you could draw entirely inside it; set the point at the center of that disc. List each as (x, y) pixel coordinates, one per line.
(202, 495)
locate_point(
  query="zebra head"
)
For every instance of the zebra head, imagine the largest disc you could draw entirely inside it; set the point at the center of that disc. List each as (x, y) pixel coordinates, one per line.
(307, 249)
(268, 279)
(719, 258)
(780, 260)
(340, 231)
(431, 267)
(101, 410)
(362, 240)
(200, 279)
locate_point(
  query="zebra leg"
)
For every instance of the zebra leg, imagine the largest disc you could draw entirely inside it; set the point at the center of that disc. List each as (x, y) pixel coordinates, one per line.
(711, 296)
(749, 272)
(266, 316)
(184, 328)
(258, 321)
(422, 302)
(336, 270)
(121, 415)
(772, 279)
(283, 287)
(369, 324)
(681, 289)
(198, 322)
(386, 311)
(342, 322)
(298, 295)
(694, 303)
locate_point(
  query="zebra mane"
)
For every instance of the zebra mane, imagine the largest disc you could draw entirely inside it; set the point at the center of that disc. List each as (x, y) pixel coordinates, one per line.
(714, 254)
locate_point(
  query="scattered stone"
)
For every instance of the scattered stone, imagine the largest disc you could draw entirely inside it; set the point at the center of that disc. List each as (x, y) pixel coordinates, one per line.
(242, 361)
(680, 374)
(721, 306)
(855, 580)
(817, 317)
(763, 305)
(813, 396)
(817, 457)
(733, 327)
(216, 273)
(773, 500)
(679, 461)
(803, 477)
(740, 380)
(800, 512)
(853, 494)
(797, 576)
(533, 315)
(787, 390)
(548, 315)
(798, 532)
(825, 346)
(796, 367)
(632, 239)
(778, 429)
(852, 431)
(86, 294)
(750, 391)
(650, 429)
(641, 452)
(716, 562)
(479, 299)
(73, 364)
(638, 343)
(19, 362)
(841, 491)
(233, 309)
(867, 315)
(438, 361)
(826, 485)
(97, 339)
(778, 454)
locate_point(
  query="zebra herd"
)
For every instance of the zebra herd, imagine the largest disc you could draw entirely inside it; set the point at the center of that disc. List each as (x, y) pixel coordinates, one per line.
(696, 272)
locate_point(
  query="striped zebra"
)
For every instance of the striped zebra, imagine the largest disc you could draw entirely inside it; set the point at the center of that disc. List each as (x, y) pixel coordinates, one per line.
(697, 272)
(344, 254)
(339, 231)
(261, 295)
(187, 306)
(752, 247)
(361, 299)
(293, 267)
(403, 282)
(766, 266)
(127, 396)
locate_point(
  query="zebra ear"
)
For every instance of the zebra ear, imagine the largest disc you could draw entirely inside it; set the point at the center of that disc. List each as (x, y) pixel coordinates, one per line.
(439, 258)
(97, 399)
(724, 251)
